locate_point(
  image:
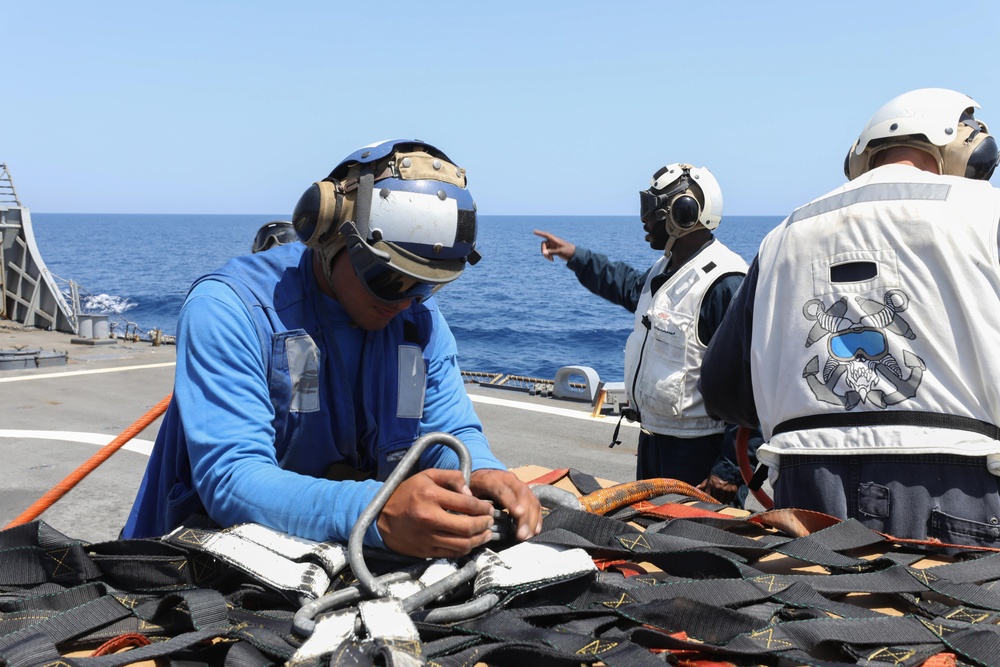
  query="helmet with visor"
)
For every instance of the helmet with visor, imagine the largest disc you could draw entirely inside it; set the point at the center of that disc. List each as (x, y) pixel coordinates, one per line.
(401, 210)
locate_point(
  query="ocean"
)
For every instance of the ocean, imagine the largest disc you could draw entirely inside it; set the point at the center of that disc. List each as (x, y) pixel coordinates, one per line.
(513, 312)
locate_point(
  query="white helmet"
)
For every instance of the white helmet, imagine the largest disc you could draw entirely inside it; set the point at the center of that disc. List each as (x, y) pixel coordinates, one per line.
(679, 199)
(937, 121)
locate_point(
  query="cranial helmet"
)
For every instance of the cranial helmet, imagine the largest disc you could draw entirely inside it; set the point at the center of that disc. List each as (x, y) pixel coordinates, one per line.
(681, 198)
(937, 121)
(402, 211)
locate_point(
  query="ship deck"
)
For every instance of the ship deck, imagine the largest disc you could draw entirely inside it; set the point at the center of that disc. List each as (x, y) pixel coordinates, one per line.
(56, 417)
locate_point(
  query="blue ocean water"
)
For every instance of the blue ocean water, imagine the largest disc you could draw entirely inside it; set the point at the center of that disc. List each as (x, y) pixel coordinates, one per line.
(514, 312)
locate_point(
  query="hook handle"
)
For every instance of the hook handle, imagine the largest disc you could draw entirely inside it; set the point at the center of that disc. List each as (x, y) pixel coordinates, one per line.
(354, 545)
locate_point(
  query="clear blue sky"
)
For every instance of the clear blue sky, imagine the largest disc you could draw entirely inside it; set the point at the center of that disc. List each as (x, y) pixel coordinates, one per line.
(554, 107)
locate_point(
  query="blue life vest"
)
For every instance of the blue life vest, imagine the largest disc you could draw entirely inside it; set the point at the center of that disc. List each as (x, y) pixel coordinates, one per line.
(315, 421)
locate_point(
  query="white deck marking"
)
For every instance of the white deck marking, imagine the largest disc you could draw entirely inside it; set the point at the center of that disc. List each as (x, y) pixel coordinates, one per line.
(534, 407)
(45, 376)
(134, 445)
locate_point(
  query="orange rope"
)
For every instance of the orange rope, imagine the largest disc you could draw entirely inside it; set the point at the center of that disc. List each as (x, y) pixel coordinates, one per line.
(74, 478)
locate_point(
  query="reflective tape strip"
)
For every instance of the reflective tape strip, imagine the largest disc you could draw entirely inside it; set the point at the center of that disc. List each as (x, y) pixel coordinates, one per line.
(528, 562)
(259, 561)
(331, 632)
(872, 193)
(332, 556)
(385, 619)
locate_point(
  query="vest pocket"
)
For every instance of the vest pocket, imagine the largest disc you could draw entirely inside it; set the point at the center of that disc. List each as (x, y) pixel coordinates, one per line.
(296, 361)
(956, 530)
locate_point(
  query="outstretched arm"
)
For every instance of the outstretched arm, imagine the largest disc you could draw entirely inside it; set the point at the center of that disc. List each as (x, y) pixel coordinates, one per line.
(553, 246)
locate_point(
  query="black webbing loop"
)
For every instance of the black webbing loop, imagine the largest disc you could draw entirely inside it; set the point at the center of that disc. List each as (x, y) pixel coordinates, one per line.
(629, 414)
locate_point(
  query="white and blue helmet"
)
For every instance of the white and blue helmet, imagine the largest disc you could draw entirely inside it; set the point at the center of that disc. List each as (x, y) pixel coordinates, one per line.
(402, 210)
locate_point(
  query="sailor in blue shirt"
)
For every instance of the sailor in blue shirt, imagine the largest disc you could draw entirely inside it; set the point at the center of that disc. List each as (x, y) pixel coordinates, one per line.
(306, 372)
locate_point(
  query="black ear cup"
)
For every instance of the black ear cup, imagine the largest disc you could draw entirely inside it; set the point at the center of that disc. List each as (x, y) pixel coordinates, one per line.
(983, 158)
(685, 211)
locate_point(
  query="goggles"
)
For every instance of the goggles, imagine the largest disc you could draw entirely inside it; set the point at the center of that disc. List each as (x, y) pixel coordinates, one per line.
(375, 269)
(650, 204)
(272, 235)
(866, 344)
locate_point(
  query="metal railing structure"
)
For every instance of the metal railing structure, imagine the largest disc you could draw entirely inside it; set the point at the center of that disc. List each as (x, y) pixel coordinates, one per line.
(30, 294)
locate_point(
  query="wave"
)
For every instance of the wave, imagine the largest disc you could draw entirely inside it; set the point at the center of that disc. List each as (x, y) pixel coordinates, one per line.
(105, 304)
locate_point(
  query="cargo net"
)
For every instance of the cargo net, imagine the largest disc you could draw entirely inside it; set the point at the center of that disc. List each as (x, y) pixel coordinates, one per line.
(651, 574)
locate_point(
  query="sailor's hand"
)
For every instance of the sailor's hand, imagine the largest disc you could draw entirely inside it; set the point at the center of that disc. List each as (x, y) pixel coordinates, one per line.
(720, 489)
(433, 514)
(553, 246)
(513, 495)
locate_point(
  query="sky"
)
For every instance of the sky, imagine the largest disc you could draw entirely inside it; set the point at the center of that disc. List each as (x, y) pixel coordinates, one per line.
(553, 107)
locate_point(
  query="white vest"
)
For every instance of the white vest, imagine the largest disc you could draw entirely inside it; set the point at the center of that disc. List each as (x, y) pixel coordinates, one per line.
(662, 360)
(915, 337)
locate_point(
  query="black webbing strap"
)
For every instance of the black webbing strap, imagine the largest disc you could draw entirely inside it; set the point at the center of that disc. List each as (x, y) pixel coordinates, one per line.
(30, 650)
(889, 418)
(584, 483)
(975, 570)
(531, 639)
(34, 553)
(66, 625)
(968, 594)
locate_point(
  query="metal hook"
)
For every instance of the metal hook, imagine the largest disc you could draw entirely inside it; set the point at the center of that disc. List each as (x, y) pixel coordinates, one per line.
(355, 554)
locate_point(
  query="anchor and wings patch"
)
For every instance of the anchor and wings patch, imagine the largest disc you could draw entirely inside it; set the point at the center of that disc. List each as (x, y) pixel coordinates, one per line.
(860, 365)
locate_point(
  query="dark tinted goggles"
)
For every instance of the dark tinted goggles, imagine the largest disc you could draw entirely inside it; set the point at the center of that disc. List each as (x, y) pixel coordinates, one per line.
(650, 203)
(374, 269)
(270, 236)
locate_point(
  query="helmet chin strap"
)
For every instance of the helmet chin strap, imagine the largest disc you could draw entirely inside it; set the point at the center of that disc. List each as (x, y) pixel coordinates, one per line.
(670, 244)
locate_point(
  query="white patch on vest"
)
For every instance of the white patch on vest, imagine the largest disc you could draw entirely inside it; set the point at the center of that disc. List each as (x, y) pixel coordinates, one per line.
(303, 368)
(412, 383)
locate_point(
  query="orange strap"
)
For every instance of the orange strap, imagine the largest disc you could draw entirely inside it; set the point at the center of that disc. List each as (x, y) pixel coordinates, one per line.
(105, 452)
(607, 500)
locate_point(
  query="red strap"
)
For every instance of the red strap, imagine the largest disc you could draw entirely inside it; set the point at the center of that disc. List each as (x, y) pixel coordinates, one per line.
(672, 511)
(551, 477)
(120, 643)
